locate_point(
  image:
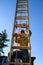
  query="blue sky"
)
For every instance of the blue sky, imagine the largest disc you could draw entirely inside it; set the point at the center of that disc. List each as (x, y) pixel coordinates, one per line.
(7, 13)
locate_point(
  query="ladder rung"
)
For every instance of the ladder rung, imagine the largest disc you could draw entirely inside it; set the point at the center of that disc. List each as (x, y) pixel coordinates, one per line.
(21, 47)
(22, 11)
(21, 35)
(19, 63)
(23, 6)
(21, 17)
(21, 25)
(22, 0)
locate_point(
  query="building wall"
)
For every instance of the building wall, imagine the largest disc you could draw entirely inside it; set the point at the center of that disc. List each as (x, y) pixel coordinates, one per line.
(3, 60)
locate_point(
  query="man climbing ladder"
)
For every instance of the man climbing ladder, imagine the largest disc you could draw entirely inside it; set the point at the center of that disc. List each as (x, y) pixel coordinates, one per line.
(20, 52)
